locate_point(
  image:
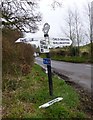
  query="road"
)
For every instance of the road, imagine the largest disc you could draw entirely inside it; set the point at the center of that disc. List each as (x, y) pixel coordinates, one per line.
(78, 73)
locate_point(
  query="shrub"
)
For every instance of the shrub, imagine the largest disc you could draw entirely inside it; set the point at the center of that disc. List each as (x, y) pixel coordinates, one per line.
(84, 54)
(25, 69)
(13, 55)
(58, 52)
(25, 53)
(73, 51)
(62, 52)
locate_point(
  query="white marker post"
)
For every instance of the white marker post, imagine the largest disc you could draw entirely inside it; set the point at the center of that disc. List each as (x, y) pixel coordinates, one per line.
(51, 102)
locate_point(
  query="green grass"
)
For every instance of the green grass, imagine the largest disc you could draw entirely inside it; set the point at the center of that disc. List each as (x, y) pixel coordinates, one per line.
(73, 59)
(85, 47)
(32, 90)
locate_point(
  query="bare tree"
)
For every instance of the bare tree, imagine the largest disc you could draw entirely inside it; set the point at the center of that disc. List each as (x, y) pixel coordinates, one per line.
(91, 27)
(92, 21)
(70, 25)
(69, 31)
(56, 3)
(74, 28)
(78, 28)
(21, 14)
(74, 25)
(88, 20)
(89, 14)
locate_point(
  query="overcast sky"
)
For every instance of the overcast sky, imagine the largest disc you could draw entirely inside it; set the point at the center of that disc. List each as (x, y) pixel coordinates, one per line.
(56, 17)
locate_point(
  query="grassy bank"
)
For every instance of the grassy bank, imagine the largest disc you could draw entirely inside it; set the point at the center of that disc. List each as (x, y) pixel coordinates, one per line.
(70, 54)
(23, 95)
(73, 59)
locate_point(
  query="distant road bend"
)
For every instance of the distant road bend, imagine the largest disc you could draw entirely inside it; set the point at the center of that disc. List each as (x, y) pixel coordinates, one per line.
(78, 73)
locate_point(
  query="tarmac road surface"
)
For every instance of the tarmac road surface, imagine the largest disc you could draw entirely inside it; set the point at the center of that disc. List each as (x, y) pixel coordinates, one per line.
(78, 73)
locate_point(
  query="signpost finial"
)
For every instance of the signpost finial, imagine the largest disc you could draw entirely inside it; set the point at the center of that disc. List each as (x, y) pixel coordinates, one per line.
(46, 28)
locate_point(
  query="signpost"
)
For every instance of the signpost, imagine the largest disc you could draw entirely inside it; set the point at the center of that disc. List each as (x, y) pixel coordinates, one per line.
(44, 46)
(45, 29)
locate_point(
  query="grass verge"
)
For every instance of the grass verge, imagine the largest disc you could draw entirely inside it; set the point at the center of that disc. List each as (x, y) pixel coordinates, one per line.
(23, 96)
(73, 59)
